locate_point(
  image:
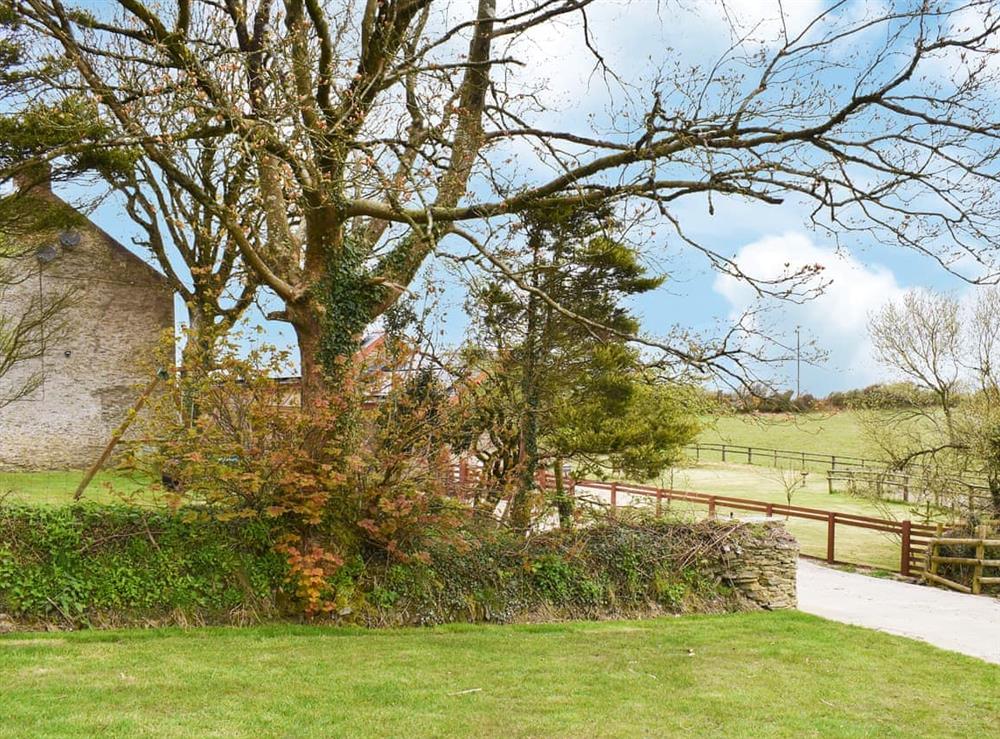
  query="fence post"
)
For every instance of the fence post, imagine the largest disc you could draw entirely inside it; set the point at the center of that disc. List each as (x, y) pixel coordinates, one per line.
(770, 510)
(933, 547)
(977, 571)
(831, 525)
(711, 507)
(697, 452)
(833, 461)
(904, 557)
(723, 452)
(749, 455)
(614, 497)
(659, 502)
(803, 460)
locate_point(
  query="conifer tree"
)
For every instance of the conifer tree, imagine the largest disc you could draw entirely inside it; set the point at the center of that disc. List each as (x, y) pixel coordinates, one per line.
(564, 382)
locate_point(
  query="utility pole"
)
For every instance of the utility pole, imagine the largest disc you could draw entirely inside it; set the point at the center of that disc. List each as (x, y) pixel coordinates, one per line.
(798, 362)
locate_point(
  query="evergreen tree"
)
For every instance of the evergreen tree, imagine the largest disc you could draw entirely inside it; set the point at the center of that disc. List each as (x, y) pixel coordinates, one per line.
(564, 384)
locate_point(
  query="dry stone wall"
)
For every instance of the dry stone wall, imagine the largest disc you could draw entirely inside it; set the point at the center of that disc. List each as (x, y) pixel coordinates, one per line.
(762, 566)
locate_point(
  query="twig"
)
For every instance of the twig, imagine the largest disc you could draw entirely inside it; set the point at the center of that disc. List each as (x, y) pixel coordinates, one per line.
(466, 692)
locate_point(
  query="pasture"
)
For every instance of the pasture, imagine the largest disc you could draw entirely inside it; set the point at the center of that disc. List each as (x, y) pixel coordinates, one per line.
(823, 433)
(757, 674)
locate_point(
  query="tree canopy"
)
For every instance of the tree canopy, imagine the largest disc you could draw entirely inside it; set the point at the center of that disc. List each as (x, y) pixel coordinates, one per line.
(374, 131)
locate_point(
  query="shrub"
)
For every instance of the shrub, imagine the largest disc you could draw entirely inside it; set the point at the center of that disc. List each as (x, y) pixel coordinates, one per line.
(103, 565)
(883, 396)
(608, 569)
(330, 482)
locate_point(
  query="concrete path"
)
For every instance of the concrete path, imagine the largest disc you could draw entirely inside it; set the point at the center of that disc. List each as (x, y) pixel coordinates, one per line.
(969, 624)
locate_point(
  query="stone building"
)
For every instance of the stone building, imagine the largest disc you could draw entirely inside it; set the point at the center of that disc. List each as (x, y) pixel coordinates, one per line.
(91, 366)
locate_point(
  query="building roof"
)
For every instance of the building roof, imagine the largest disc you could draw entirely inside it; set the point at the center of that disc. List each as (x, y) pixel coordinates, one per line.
(37, 184)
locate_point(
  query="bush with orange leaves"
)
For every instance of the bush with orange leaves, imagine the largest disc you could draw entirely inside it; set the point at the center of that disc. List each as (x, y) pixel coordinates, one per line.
(349, 479)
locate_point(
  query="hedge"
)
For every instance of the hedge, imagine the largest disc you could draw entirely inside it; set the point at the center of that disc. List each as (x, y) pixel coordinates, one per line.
(101, 566)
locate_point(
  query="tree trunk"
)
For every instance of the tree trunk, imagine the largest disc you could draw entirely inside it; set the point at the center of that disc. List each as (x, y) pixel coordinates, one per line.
(564, 503)
(520, 516)
(197, 358)
(199, 350)
(313, 385)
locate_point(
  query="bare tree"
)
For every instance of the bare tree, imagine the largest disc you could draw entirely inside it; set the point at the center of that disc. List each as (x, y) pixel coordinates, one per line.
(948, 347)
(921, 339)
(182, 234)
(380, 134)
(790, 479)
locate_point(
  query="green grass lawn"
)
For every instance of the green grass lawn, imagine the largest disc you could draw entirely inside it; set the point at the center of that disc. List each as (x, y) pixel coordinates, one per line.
(759, 674)
(58, 487)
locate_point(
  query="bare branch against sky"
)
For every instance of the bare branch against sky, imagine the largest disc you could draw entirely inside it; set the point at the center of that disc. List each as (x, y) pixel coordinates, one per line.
(378, 131)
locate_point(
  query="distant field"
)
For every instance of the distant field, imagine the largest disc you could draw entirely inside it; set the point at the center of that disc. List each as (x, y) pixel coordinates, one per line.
(822, 433)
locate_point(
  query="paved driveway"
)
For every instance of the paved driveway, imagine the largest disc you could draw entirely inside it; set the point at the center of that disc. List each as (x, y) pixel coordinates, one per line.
(969, 624)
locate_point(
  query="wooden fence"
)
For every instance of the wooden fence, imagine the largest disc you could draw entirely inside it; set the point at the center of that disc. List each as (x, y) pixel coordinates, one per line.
(946, 493)
(766, 455)
(913, 537)
(979, 562)
(856, 472)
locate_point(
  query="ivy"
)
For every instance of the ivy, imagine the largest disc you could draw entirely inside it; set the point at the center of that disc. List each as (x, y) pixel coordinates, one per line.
(92, 564)
(111, 565)
(348, 296)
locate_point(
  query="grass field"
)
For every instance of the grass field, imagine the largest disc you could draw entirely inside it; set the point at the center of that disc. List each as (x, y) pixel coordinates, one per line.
(822, 433)
(759, 674)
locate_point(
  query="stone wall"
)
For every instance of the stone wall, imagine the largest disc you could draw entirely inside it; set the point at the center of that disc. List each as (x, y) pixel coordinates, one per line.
(97, 355)
(762, 566)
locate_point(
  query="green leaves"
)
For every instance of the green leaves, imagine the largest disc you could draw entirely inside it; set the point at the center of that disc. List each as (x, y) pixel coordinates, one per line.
(92, 564)
(74, 124)
(564, 379)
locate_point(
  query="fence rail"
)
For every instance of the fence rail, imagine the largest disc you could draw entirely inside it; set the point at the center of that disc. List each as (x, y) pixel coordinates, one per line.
(971, 488)
(765, 455)
(902, 486)
(913, 537)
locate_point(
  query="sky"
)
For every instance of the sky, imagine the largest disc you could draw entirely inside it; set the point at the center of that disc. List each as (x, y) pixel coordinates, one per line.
(636, 38)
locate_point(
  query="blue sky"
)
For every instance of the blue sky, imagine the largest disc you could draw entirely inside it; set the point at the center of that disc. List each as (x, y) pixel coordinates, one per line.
(638, 39)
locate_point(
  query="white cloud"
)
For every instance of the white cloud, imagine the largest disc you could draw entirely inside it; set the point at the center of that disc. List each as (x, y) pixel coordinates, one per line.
(837, 320)
(639, 35)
